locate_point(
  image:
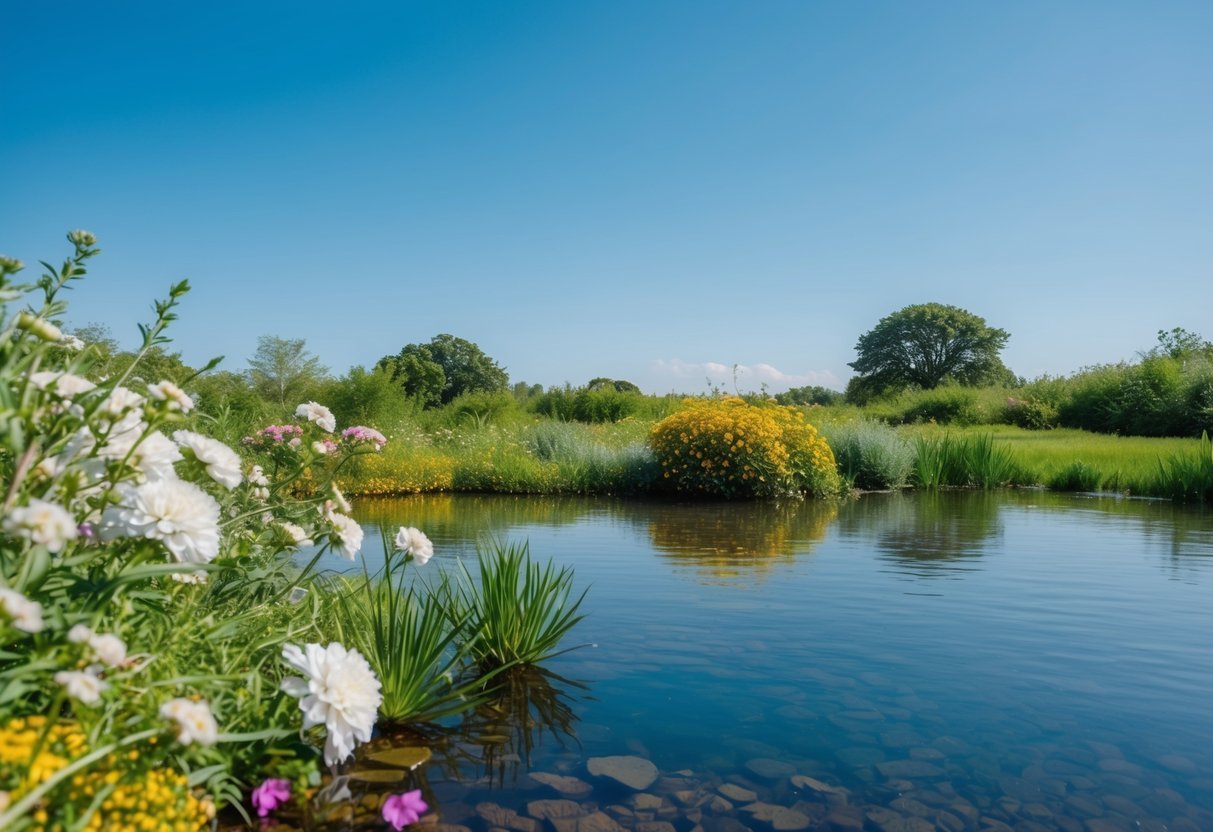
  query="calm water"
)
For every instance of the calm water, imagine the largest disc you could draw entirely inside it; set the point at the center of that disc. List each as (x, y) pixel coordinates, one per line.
(945, 661)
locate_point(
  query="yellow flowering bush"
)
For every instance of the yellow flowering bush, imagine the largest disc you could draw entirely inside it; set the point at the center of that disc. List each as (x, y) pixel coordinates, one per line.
(417, 471)
(124, 795)
(729, 447)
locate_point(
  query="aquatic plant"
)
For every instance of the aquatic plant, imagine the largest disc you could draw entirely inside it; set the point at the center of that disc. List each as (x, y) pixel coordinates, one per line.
(729, 447)
(970, 461)
(409, 638)
(514, 611)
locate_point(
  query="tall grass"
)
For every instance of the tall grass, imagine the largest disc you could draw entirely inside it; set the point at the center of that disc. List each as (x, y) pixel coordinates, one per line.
(1188, 477)
(514, 611)
(969, 461)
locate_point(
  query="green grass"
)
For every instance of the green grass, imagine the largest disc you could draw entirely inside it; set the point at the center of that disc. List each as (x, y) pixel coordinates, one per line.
(1112, 463)
(544, 456)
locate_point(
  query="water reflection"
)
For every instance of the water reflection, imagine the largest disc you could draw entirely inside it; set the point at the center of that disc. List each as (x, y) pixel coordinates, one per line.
(726, 540)
(529, 704)
(925, 534)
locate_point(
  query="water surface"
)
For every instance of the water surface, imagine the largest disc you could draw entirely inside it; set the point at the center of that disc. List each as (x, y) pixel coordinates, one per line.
(1023, 660)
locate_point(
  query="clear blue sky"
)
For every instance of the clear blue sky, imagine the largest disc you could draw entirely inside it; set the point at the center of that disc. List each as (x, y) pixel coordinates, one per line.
(636, 190)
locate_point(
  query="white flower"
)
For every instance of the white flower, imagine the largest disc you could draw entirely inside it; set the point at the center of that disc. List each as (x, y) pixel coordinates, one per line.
(320, 448)
(71, 342)
(222, 463)
(42, 523)
(297, 534)
(80, 634)
(260, 483)
(195, 722)
(177, 513)
(347, 534)
(26, 615)
(120, 438)
(338, 501)
(65, 385)
(119, 401)
(83, 685)
(414, 542)
(319, 414)
(340, 692)
(198, 577)
(176, 398)
(109, 648)
(155, 455)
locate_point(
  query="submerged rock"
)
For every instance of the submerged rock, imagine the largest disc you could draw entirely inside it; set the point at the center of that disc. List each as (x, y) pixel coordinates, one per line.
(909, 769)
(737, 793)
(770, 769)
(781, 818)
(568, 786)
(634, 772)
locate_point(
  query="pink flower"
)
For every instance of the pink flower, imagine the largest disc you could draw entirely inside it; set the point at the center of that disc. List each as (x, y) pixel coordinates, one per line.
(270, 795)
(400, 810)
(361, 433)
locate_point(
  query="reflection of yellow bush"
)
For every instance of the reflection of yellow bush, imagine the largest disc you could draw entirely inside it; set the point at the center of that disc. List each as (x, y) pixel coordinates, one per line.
(736, 536)
(411, 472)
(731, 448)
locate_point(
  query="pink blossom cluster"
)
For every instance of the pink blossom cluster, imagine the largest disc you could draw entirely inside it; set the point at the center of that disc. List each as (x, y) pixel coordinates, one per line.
(274, 433)
(361, 433)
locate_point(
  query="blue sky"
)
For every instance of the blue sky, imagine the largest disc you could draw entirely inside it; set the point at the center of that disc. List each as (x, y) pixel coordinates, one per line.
(650, 191)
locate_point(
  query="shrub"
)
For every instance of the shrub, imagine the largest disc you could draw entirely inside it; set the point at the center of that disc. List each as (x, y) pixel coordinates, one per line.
(870, 454)
(730, 448)
(1032, 414)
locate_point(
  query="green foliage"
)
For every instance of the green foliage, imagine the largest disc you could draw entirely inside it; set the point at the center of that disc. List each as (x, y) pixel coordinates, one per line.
(618, 385)
(514, 611)
(813, 394)
(946, 405)
(367, 397)
(1159, 396)
(869, 454)
(478, 409)
(1030, 413)
(283, 372)
(444, 369)
(923, 345)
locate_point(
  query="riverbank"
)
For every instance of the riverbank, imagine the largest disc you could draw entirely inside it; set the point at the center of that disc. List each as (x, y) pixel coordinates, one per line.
(551, 457)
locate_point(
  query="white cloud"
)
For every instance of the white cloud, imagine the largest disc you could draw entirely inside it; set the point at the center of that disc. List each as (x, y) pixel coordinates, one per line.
(750, 377)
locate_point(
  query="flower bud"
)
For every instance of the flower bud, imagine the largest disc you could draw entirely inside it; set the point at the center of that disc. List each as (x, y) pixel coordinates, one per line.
(82, 238)
(41, 327)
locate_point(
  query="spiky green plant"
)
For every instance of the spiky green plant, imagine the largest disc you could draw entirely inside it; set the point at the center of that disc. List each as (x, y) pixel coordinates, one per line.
(514, 611)
(409, 638)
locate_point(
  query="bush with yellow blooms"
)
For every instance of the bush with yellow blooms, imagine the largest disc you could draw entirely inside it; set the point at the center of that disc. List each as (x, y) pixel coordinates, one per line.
(729, 447)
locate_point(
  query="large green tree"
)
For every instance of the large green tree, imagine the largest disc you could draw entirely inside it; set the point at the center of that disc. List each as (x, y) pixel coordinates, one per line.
(926, 344)
(444, 368)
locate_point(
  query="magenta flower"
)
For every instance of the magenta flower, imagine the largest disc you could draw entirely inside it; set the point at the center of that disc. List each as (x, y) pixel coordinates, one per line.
(400, 810)
(270, 795)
